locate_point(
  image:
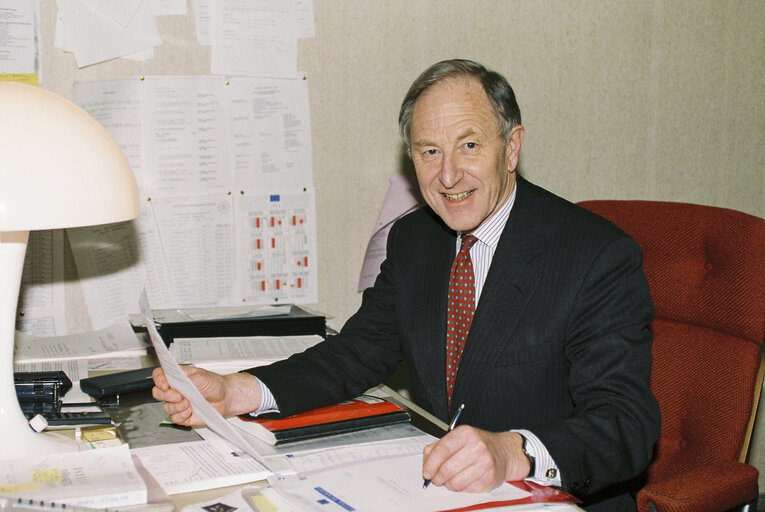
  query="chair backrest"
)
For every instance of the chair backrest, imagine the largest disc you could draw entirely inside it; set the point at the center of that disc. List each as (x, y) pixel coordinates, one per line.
(706, 271)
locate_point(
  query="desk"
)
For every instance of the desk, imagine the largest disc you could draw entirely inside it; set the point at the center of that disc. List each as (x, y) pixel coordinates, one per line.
(139, 415)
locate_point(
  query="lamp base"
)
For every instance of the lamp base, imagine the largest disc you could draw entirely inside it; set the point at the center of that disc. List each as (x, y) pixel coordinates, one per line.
(17, 439)
(28, 443)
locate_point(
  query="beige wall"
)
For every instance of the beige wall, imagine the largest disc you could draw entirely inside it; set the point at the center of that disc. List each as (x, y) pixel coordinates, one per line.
(620, 99)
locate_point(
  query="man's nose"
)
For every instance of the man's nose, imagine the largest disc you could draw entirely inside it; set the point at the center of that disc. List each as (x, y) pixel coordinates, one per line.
(450, 173)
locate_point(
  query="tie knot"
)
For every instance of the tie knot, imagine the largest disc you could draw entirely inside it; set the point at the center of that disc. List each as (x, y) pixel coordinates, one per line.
(467, 242)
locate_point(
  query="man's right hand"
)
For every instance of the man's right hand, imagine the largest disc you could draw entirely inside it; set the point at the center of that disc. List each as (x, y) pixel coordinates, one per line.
(237, 393)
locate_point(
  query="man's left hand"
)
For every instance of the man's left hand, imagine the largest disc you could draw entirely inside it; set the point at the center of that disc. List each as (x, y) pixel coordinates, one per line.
(474, 460)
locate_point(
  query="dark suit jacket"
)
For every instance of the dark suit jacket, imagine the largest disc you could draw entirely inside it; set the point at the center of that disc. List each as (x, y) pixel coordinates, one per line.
(559, 342)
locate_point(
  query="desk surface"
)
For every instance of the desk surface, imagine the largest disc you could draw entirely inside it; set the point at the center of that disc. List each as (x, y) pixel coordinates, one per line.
(138, 416)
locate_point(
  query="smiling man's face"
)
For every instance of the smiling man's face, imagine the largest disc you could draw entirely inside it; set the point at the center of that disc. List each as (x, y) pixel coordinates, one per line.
(464, 169)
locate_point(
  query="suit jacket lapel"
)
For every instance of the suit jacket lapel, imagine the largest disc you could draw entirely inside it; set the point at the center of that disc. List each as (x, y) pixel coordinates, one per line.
(428, 343)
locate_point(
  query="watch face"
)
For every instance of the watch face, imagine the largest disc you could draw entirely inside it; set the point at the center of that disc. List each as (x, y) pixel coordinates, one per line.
(532, 460)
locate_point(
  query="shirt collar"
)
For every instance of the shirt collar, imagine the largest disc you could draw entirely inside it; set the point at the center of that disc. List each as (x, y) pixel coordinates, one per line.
(490, 230)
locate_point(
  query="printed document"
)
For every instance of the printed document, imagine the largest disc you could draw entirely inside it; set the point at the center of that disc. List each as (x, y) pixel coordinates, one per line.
(394, 479)
(94, 478)
(116, 340)
(198, 465)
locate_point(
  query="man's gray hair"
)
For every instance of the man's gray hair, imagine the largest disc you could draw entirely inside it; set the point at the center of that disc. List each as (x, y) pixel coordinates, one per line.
(497, 88)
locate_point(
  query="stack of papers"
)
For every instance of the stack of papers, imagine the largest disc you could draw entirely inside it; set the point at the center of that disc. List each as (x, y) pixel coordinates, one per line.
(118, 340)
(230, 355)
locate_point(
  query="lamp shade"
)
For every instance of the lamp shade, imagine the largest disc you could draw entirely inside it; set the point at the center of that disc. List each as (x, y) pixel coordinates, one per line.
(59, 167)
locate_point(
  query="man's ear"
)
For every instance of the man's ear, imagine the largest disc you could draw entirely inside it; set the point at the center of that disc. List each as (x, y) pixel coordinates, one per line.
(514, 147)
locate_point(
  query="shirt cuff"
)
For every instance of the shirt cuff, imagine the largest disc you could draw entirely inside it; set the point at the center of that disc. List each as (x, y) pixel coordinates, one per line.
(546, 472)
(267, 401)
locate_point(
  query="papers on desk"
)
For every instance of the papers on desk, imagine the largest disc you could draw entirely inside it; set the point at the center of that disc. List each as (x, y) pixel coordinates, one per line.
(117, 340)
(93, 478)
(229, 355)
(345, 478)
(198, 465)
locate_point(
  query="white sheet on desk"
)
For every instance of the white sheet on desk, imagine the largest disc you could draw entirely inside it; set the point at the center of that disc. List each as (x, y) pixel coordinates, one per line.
(198, 465)
(395, 481)
(94, 478)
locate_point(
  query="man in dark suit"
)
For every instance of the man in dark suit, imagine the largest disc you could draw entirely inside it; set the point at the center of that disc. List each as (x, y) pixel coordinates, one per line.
(557, 352)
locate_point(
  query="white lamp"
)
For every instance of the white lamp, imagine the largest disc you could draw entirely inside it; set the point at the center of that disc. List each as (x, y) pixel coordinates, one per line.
(59, 168)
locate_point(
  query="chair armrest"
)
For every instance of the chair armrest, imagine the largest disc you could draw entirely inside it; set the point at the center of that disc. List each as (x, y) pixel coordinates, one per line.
(713, 488)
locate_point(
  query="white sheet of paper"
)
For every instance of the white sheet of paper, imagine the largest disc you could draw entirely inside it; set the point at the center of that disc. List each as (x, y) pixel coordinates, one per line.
(121, 11)
(41, 298)
(197, 236)
(93, 478)
(168, 7)
(116, 104)
(394, 481)
(184, 118)
(305, 24)
(203, 19)
(19, 27)
(276, 247)
(93, 37)
(198, 465)
(179, 381)
(254, 38)
(115, 340)
(270, 132)
(115, 261)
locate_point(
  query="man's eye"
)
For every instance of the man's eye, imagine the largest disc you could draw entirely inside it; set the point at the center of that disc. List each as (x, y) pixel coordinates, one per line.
(471, 145)
(431, 151)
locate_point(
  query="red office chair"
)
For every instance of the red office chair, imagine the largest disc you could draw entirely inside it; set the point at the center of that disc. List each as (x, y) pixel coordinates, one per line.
(706, 271)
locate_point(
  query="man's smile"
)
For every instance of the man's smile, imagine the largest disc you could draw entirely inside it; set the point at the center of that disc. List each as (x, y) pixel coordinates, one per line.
(458, 197)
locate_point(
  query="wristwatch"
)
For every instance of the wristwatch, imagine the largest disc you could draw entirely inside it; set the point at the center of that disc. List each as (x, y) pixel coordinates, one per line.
(532, 460)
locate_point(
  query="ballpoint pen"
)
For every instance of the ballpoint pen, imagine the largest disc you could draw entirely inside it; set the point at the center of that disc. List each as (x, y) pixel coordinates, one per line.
(452, 424)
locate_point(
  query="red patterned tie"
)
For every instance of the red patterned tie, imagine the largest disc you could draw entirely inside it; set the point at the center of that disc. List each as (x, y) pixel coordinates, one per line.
(459, 310)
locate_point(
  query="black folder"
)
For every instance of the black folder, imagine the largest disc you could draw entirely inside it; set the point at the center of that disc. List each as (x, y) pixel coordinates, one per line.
(297, 322)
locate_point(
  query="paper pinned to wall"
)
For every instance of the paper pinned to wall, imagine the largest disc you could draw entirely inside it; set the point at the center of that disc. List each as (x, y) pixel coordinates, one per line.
(185, 134)
(254, 38)
(115, 261)
(41, 306)
(19, 27)
(94, 37)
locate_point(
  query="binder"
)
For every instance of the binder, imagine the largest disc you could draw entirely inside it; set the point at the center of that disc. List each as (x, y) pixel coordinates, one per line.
(297, 322)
